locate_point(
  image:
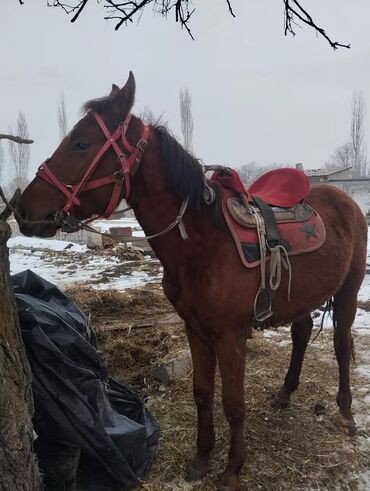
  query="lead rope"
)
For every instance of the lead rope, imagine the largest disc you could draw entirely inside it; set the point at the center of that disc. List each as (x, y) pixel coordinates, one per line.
(264, 313)
(276, 261)
(72, 222)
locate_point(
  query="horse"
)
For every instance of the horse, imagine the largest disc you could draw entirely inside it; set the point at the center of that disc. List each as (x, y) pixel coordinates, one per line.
(111, 154)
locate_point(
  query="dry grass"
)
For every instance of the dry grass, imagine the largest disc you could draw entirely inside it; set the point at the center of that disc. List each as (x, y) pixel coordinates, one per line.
(136, 329)
(294, 449)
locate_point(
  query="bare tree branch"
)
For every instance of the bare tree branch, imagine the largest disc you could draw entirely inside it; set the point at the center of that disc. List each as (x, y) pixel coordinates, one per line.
(295, 12)
(124, 11)
(230, 8)
(82, 6)
(16, 139)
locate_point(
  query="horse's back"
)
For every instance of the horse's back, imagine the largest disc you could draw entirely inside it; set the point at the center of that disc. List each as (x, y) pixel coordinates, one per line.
(342, 216)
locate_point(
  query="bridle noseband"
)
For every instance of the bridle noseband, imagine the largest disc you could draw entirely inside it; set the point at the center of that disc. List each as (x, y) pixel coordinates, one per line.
(129, 160)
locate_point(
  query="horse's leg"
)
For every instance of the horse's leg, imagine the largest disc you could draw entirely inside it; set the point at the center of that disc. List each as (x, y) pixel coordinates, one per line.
(230, 350)
(301, 332)
(345, 305)
(204, 364)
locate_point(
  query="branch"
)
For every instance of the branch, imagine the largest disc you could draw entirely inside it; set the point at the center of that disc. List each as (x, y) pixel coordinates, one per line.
(230, 8)
(12, 204)
(296, 11)
(125, 11)
(81, 7)
(16, 139)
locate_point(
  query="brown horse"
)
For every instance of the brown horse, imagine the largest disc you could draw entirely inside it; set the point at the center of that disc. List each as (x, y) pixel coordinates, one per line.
(203, 275)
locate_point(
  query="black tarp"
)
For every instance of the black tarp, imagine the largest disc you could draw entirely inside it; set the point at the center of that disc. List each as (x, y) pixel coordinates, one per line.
(75, 400)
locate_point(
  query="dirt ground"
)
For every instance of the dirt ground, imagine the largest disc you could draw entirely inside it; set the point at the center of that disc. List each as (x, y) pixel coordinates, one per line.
(298, 448)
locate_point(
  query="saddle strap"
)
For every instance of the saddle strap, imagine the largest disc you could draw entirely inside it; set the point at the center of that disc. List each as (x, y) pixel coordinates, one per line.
(272, 231)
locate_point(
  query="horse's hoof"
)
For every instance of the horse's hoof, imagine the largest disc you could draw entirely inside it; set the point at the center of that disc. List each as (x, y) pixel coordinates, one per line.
(196, 470)
(278, 403)
(228, 482)
(281, 400)
(346, 425)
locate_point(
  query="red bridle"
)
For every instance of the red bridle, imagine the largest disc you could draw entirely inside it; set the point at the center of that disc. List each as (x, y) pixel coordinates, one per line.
(128, 165)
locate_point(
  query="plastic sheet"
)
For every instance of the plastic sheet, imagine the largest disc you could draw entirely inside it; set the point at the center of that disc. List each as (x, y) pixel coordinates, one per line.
(75, 400)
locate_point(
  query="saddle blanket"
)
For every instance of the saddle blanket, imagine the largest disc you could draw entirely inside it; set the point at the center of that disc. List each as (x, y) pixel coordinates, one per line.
(296, 237)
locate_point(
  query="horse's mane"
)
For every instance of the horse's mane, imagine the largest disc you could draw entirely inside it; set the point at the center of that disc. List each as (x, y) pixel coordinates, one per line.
(98, 105)
(185, 174)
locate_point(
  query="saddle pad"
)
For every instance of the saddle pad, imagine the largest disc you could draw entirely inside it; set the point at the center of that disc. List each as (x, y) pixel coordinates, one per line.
(297, 237)
(281, 187)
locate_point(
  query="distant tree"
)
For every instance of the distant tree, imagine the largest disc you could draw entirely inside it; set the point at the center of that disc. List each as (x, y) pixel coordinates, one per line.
(20, 153)
(62, 117)
(353, 153)
(249, 172)
(186, 118)
(359, 153)
(122, 12)
(2, 162)
(342, 157)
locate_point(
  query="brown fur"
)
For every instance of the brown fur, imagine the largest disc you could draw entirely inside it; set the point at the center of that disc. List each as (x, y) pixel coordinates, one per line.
(204, 278)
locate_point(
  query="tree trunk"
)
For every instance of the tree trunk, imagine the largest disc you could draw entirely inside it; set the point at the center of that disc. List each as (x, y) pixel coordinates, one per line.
(18, 467)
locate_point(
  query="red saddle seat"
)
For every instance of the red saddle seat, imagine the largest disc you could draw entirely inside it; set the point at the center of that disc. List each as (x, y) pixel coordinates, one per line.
(281, 187)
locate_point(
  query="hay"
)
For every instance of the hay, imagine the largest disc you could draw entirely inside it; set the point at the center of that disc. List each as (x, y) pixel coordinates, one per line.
(293, 449)
(136, 329)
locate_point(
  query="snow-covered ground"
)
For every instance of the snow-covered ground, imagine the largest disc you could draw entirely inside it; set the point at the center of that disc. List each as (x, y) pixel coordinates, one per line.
(64, 263)
(105, 225)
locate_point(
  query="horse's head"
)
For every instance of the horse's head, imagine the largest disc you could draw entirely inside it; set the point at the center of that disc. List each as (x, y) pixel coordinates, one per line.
(88, 174)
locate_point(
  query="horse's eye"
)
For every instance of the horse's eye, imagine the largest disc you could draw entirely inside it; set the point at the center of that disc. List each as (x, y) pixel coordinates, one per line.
(81, 146)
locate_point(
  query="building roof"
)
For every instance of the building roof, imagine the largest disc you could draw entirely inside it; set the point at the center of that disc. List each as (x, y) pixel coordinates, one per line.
(325, 172)
(362, 198)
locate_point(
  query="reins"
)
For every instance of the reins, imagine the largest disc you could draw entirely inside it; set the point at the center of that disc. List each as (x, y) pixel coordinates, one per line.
(76, 224)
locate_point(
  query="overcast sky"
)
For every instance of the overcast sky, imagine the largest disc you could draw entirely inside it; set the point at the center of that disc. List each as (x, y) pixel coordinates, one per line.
(257, 95)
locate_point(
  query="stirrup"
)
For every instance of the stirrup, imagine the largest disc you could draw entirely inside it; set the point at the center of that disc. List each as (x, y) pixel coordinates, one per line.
(264, 313)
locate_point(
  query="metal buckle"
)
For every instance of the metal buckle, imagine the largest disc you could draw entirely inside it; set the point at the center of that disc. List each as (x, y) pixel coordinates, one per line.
(119, 175)
(71, 224)
(142, 144)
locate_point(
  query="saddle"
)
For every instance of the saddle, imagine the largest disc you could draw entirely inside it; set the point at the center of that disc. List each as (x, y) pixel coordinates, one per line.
(270, 221)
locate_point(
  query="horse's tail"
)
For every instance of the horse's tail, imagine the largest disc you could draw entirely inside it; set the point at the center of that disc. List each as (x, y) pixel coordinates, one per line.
(330, 309)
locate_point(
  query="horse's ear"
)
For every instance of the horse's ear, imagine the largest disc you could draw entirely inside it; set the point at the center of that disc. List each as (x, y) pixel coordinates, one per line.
(114, 91)
(123, 100)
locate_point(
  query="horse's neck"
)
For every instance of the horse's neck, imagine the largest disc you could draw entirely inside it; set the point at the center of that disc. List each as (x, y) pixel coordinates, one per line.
(155, 216)
(155, 209)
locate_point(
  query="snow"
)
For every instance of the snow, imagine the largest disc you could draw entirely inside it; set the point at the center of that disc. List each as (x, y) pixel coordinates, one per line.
(51, 244)
(78, 264)
(105, 225)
